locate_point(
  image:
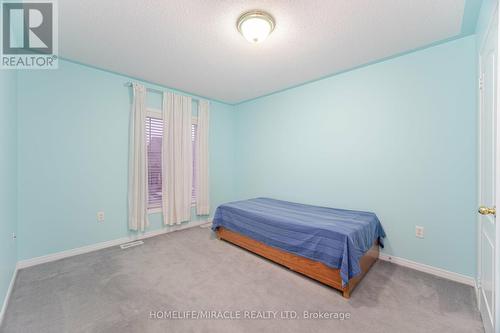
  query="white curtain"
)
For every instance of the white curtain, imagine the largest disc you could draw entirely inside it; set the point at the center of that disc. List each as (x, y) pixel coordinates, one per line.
(201, 160)
(137, 168)
(177, 159)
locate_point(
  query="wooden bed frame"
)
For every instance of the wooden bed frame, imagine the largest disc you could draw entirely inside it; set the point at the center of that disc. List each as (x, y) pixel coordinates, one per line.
(311, 268)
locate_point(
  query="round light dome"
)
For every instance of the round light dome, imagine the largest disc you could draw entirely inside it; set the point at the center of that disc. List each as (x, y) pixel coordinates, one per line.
(255, 25)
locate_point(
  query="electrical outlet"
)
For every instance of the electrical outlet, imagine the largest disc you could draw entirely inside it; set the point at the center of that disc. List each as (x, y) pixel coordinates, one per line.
(419, 231)
(100, 216)
(14, 236)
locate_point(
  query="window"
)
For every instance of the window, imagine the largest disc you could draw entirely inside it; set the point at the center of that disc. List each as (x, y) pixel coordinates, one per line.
(154, 136)
(194, 131)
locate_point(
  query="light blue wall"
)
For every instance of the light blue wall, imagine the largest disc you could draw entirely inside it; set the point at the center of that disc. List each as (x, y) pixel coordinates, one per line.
(397, 138)
(471, 13)
(484, 19)
(73, 152)
(8, 171)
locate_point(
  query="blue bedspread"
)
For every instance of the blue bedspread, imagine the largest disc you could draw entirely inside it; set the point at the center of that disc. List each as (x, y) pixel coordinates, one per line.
(336, 237)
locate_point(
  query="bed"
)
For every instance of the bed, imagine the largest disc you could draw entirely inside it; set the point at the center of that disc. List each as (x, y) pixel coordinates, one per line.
(334, 246)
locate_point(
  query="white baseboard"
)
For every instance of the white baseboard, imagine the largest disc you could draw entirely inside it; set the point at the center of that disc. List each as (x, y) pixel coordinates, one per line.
(7, 295)
(476, 291)
(99, 246)
(70, 253)
(429, 269)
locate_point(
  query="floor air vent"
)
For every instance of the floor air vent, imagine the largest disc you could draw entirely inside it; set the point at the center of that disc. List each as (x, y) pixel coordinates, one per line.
(127, 245)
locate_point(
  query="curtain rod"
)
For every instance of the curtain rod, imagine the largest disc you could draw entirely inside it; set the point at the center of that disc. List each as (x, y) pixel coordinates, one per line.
(130, 83)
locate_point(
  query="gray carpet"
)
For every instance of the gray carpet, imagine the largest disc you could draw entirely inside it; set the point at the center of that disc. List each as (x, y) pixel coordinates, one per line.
(115, 290)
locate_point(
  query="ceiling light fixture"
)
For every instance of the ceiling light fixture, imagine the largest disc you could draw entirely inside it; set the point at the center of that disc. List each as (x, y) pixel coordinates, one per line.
(255, 25)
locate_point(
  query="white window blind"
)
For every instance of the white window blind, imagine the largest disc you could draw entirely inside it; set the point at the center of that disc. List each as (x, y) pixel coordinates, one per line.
(154, 136)
(194, 131)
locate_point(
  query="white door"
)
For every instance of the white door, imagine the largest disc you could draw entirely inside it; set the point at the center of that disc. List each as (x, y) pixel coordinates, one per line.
(489, 179)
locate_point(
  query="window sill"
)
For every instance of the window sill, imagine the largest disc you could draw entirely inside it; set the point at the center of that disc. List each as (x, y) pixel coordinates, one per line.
(156, 210)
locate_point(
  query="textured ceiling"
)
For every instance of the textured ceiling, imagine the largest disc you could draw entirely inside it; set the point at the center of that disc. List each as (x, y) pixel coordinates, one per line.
(193, 45)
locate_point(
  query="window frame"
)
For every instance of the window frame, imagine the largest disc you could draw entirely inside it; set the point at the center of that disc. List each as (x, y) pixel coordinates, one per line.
(158, 114)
